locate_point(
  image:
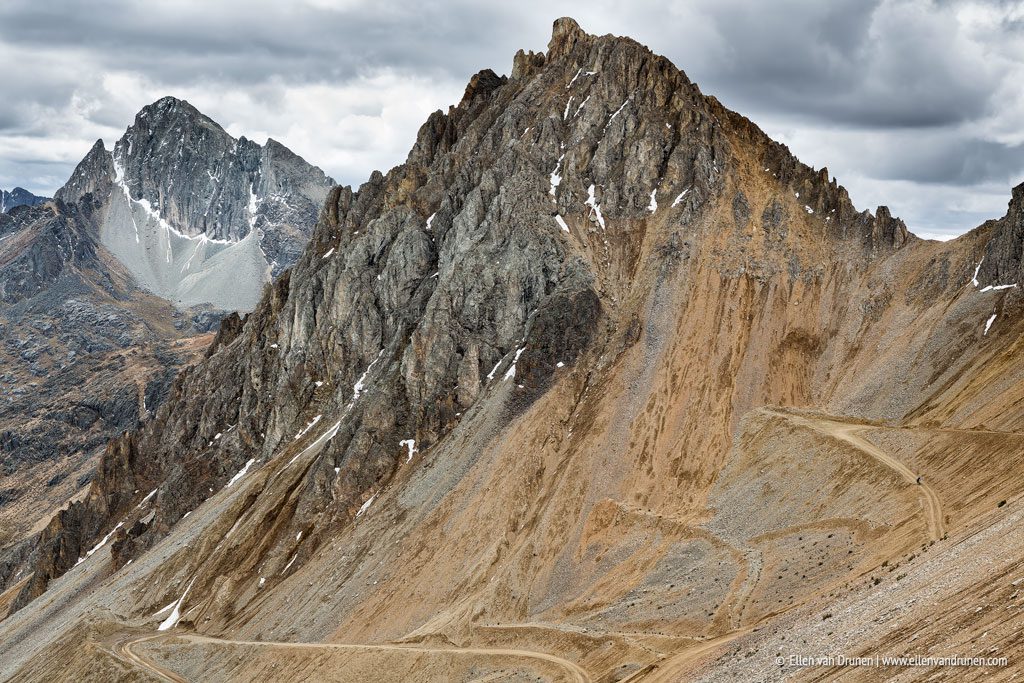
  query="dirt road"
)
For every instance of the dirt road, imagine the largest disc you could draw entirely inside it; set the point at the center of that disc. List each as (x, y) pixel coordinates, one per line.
(848, 433)
(671, 668)
(123, 650)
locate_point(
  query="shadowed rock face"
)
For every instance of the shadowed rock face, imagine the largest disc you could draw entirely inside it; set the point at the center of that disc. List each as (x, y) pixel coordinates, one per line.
(197, 216)
(18, 197)
(1003, 263)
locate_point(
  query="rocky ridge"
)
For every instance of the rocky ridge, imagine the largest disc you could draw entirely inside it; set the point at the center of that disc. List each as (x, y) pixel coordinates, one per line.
(86, 355)
(18, 197)
(88, 352)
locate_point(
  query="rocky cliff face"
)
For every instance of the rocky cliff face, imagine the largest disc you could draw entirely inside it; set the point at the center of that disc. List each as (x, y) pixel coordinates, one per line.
(534, 360)
(18, 197)
(1003, 262)
(197, 216)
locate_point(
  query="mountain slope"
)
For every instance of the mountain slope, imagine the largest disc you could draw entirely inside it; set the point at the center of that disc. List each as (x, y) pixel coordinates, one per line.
(600, 373)
(197, 216)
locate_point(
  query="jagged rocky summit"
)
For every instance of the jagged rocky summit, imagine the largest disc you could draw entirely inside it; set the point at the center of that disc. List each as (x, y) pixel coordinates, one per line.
(197, 216)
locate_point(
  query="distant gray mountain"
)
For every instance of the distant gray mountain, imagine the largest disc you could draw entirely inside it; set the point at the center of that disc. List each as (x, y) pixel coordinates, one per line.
(19, 196)
(179, 212)
(195, 215)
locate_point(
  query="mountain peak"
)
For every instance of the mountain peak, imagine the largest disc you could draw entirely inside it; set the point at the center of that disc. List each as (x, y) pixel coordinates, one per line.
(565, 33)
(19, 196)
(170, 116)
(185, 198)
(171, 104)
(482, 83)
(92, 175)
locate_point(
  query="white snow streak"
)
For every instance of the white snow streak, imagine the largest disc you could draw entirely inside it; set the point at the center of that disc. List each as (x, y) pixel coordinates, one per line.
(579, 73)
(119, 181)
(511, 372)
(100, 544)
(171, 621)
(974, 278)
(678, 199)
(409, 444)
(580, 108)
(431, 219)
(612, 118)
(366, 506)
(195, 250)
(594, 206)
(326, 436)
(253, 207)
(167, 608)
(988, 324)
(490, 375)
(556, 178)
(241, 473)
(561, 222)
(653, 206)
(308, 427)
(146, 499)
(329, 252)
(358, 388)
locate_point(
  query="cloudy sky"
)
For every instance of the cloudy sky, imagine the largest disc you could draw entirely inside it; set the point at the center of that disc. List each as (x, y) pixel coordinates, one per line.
(917, 104)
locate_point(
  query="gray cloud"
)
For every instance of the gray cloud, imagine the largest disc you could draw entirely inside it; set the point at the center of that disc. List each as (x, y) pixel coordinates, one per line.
(898, 97)
(873, 64)
(953, 162)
